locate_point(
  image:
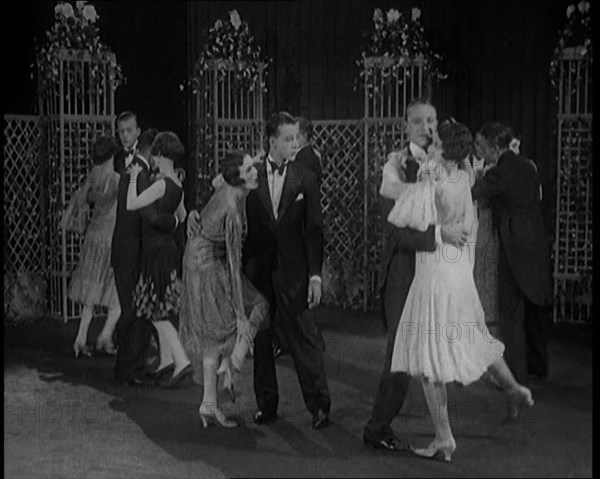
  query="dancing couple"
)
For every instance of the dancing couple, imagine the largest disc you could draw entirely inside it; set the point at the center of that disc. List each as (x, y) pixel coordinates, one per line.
(425, 287)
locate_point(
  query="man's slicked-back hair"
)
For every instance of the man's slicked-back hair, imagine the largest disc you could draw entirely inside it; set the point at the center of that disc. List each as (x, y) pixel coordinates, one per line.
(497, 134)
(276, 120)
(416, 102)
(305, 126)
(127, 115)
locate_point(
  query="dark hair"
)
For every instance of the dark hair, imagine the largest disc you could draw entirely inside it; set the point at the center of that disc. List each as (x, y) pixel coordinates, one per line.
(230, 167)
(457, 140)
(305, 126)
(417, 101)
(497, 134)
(516, 133)
(146, 139)
(127, 115)
(276, 120)
(167, 144)
(104, 147)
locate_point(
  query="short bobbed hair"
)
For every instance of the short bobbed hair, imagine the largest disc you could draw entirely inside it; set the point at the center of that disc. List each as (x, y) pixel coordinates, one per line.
(104, 148)
(168, 145)
(457, 140)
(230, 167)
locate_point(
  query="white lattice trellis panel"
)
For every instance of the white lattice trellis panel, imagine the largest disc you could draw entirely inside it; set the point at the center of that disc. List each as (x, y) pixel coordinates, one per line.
(573, 254)
(343, 202)
(24, 248)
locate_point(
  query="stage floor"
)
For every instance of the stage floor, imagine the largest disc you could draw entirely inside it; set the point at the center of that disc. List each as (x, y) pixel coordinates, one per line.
(66, 417)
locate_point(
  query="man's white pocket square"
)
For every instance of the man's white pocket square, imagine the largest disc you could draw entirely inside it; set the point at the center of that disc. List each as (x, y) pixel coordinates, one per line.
(299, 197)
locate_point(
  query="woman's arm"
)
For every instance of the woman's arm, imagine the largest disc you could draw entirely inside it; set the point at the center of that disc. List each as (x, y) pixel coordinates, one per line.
(181, 213)
(148, 196)
(233, 242)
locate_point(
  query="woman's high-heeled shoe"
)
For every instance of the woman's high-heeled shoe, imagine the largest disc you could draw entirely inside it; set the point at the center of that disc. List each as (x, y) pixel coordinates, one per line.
(225, 370)
(518, 398)
(437, 452)
(80, 347)
(216, 417)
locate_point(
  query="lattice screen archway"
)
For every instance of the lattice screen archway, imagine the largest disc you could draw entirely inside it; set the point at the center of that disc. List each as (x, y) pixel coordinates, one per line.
(228, 115)
(573, 252)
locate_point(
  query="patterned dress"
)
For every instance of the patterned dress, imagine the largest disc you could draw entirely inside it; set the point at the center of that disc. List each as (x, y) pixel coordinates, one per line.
(93, 281)
(442, 334)
(216, 294)
(157, 293)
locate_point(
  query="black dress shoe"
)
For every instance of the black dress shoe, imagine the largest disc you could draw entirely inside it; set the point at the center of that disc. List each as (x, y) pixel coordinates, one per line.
(162, 374)
(320, 420)
(261, 418)
(390, 444)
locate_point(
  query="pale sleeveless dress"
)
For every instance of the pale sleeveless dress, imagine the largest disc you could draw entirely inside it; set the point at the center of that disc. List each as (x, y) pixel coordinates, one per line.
(442, 334)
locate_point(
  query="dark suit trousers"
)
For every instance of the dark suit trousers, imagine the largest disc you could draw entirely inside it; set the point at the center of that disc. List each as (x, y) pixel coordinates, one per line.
(523, 327)
(133, 333)
(392, 386)
(305, 342)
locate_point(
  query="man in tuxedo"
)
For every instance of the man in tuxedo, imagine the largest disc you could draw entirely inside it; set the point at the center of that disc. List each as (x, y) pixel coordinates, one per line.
(307, 155)
(129, 131)
(133, 333)
(400, 247)
(524, 270)
(283, 257)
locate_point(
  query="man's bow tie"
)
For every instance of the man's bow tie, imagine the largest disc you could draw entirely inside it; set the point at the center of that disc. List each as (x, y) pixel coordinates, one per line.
(279, 168)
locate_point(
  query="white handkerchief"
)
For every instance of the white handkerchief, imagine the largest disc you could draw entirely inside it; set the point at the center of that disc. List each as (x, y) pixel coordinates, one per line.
(299, 197)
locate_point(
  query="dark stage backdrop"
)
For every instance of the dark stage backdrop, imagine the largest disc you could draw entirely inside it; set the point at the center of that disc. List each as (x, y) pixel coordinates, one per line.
(497, 55)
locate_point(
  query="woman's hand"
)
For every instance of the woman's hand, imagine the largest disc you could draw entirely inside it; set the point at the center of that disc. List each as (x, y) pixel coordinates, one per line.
(134, 171)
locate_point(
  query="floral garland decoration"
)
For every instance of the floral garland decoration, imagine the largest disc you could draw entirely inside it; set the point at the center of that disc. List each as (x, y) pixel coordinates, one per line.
(401, 40)
(231, 41)
(577, 33)
(75, 29)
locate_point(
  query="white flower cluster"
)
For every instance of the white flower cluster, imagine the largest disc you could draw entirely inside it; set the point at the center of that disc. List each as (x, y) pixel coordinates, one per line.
(393, 16)
(582, 6)
(88, 12)
(234, 19)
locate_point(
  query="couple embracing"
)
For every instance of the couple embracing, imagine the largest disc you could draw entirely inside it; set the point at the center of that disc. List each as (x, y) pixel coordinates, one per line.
(430, 185)
(252, 264)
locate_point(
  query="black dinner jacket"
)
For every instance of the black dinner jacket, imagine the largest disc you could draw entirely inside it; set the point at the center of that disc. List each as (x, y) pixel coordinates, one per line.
(513, 187)
(293, 243)
(309, 159)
